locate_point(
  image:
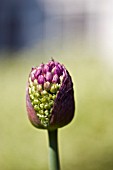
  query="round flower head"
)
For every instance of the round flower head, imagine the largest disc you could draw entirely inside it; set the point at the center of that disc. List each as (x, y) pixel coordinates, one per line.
(49, 96)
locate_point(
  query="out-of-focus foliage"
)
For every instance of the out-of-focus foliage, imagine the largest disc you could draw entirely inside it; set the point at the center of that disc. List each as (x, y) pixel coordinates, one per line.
(87, 143)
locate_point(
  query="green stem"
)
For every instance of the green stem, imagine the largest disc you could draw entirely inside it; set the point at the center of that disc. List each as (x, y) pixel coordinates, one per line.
(53, 150)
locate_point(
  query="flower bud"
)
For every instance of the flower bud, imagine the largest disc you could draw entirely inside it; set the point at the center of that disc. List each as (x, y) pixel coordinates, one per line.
(50, 96)
(38, 72)
(55, 79)
(46, 68)
(49, 76)
(41, 79)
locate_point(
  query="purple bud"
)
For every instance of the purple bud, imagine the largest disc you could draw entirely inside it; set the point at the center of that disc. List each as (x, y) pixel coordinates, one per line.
(56, 63)
(49, 76)
(56, 70)
(33, 71)
(46, 68)
(51, 65)
(42, 65)
(38, 72)
(55, 79)
(32, 77)
(41, 79)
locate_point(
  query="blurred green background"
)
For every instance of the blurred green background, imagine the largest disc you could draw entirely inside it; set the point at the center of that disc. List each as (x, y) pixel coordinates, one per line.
(86, 143)
(79, 34)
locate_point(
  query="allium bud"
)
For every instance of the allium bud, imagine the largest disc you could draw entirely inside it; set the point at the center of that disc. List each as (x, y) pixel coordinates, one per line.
(41, 79)
(50, 96)
(48, 76)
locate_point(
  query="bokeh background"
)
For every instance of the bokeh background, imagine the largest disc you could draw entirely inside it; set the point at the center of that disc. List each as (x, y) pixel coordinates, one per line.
(79, 34)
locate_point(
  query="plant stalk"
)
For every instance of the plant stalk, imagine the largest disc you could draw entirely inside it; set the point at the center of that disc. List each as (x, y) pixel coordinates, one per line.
(53, 150)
